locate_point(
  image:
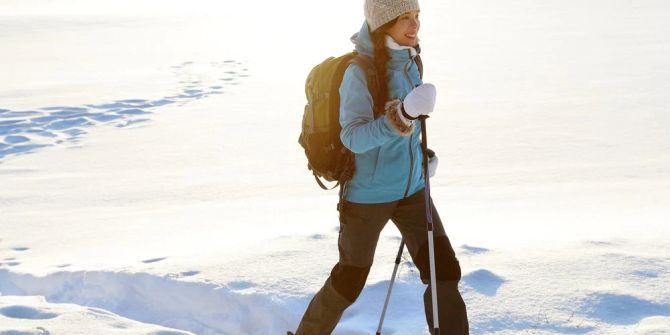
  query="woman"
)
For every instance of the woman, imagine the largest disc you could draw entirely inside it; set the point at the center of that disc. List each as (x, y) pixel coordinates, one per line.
(388, 183)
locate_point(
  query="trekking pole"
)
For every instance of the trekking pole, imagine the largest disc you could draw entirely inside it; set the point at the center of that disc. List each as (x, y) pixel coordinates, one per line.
(388, 293)
(429, 222)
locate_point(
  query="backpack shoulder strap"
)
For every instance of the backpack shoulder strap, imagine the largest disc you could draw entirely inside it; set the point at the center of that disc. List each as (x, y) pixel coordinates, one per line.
(419, 64)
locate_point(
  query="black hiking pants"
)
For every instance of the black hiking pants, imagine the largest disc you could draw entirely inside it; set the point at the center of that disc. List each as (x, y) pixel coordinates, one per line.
(360, 226)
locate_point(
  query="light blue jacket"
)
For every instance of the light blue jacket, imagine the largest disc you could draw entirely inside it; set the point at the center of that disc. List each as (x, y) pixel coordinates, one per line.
(388, 165)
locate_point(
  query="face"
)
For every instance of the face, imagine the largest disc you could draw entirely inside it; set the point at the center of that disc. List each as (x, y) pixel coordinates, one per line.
(405, 30)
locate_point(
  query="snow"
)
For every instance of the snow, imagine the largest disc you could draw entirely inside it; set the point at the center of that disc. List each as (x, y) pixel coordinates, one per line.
(28, 315)
(151, 181)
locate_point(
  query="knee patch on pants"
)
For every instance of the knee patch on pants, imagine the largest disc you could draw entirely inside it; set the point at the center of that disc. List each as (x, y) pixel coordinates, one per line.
(349, 280)
(446, 264)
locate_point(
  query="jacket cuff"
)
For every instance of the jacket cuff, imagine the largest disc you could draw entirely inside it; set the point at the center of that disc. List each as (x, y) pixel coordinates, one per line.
(395, 120)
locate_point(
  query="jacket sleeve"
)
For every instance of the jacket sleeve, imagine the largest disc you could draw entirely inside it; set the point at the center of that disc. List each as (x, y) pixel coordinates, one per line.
(360, 131)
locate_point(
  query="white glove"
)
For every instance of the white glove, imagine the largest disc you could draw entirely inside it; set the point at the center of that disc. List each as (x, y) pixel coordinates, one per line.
(432, 166)
(420, 101)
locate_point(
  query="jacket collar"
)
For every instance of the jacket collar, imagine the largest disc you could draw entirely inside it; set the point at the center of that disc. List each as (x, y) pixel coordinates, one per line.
(393, 45)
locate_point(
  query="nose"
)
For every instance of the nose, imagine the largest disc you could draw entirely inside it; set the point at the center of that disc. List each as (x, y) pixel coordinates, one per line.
(414, 23)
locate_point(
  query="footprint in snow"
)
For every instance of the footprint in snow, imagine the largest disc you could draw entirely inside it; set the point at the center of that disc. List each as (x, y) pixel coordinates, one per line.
(153, 260)
(26, 312)
(240, 285)
(24, 131)
(467, 249)
(621, 309)
(646, 273)
(132, 111)
(11, 263)
(21, 248)
(16, 139)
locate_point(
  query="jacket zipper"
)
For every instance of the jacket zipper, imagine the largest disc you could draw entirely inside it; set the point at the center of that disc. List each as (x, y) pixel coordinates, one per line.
(411, 166)
(411, 154)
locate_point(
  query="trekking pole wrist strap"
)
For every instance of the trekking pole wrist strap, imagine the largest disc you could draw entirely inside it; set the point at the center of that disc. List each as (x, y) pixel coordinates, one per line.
(404, 113)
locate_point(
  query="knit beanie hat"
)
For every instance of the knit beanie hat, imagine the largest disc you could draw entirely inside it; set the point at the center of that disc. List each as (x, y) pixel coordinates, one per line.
(378, 12)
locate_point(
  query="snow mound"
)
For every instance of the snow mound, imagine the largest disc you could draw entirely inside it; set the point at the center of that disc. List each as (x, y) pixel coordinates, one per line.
(202, 308)
(484, 281)
(32, 315)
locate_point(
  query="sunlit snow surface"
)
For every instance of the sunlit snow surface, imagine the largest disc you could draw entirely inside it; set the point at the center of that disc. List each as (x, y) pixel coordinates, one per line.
(151, 181)
(27, 131)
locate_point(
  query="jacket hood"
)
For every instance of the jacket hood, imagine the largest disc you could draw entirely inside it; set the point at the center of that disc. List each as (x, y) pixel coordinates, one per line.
(363, 41)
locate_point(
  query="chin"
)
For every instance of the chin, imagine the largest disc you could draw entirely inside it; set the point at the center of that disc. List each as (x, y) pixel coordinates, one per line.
(411, 43)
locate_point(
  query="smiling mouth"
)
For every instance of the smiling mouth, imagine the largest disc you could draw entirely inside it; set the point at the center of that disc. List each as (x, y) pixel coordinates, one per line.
(410, 36)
